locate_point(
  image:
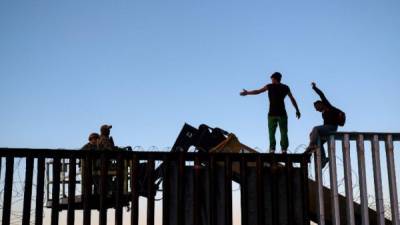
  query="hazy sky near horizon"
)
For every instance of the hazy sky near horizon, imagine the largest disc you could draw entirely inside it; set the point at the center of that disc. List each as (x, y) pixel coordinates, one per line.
(147, 67)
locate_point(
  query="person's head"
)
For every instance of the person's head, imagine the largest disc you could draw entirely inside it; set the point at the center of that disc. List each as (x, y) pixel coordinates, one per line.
(105, 130)
(319, 106)
(93, 137)
(276, 78)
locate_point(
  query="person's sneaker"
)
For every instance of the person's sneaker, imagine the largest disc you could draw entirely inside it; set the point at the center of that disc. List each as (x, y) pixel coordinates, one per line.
(310, 149)
(284, 151)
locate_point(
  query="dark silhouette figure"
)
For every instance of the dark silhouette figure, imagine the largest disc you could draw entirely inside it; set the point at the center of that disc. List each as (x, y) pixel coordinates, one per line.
(92, 144)
(106, 142)
(332, 116)
(277, 115)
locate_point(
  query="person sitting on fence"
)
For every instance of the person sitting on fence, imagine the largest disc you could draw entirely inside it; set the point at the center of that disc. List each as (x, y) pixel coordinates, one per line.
(332, 116)
(106, 142)
(92, 145)
(93, 141)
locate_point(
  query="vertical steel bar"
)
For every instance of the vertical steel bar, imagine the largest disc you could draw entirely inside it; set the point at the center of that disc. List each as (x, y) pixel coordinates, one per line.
(274, 192)
(392, 179)
(289, 202)
(39, 191)
(55, 204)
(348, 181)
(228, 191)
(211, 177)
(376, 162)
(244, 190)
(150, 192)
(119, 190)
(135, 192)
(63, 176)
(8, 184)
(333, 181)
(103, 189)
(71, 191)
(318, 177)
(362, 180)
(196, 191)
(26, 214)
(181, 189)
(166, 190)
(260, 190)
(304, 189)
(87, 189)
(47, 179)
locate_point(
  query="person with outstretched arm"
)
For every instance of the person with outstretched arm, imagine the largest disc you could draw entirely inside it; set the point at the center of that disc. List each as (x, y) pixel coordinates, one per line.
(277, 115)
(332, 116)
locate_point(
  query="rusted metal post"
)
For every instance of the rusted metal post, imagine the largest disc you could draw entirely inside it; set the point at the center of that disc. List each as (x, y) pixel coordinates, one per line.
(333, 181)
(304, 190)
(8, 184)
(150, 192)
(87, 189)
(39, 191)
(71, 191)
(289, 189)
(318, 178)
(362, 180)
(348, 181)
(244, 190)
(392, 179)
(196, 191)
(274, 192)
(134, 190)
(63, 165)
(228, 190)
(181, 189)
(103, 190)
(166, 190)
(211, 173)
(119, 190)
(26, 213)
(260, 190)
(55, 192)
(376, 162)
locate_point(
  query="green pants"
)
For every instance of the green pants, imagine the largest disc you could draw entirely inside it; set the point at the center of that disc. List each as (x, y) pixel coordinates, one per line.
(273, 122)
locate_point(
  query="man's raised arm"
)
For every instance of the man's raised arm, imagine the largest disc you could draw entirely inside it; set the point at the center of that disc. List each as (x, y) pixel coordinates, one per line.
(321, 94)
(293, 100)
(254, 92)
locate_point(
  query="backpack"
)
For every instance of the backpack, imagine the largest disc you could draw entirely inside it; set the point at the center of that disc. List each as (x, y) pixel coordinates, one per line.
(341, 118)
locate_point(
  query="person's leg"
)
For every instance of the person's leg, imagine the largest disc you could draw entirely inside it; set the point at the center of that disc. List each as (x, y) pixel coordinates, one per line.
(272, 125)
(283, 127)
(324, 158)
(314, 135)
(324, 132)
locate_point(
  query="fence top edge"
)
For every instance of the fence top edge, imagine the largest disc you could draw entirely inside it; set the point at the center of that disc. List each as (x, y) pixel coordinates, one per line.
(68, 153)
(367, 135)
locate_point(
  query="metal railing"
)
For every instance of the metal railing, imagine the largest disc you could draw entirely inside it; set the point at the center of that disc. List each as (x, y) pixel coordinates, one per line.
(363, 215)
(133, 167)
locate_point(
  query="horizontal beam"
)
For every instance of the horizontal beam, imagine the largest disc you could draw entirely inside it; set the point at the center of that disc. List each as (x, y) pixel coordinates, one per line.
(367, 135)
(62, 153)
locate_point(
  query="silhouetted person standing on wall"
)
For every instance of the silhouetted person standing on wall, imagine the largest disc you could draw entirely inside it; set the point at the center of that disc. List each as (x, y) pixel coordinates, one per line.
(333, 117)
(277, 115)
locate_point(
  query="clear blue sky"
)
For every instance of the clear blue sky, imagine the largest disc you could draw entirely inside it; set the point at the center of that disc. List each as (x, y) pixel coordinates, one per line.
(146, 67)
